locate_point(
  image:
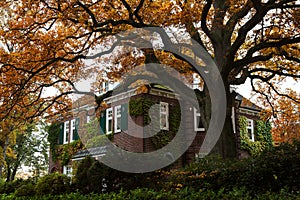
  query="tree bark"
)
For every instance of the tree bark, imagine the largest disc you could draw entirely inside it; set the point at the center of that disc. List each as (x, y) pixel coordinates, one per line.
(4, 147)
(226, 145)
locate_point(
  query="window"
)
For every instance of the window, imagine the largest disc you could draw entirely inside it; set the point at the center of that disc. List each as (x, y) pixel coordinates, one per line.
(67, 170)
(88, 119)
(164, 116)
(117, 120)
(66, 132)
(106, 86)
(109, 122)
(198, 126)
(250, 129)
(73, 129)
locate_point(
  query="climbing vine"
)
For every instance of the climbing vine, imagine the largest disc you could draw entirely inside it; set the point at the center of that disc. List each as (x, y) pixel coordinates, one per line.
(63, 153)
(53, 134)
(67, 151)
(141, 107)
(262, 134)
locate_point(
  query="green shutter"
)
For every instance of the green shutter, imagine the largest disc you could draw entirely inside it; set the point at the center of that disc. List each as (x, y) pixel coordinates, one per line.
(61, 133)
(103, 122)
(124, 117)
(75, 135)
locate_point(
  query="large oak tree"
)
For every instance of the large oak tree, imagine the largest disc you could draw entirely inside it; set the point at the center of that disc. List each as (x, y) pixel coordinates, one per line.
(46, 41)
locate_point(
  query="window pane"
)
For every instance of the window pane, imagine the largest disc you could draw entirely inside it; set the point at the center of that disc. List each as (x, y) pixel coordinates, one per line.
(109, 120)
(117, 118)
(164, 115)
(110, 125)
(66, 131)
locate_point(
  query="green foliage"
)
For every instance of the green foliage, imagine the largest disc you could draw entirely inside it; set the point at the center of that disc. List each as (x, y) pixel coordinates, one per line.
(30, 149)
(272, 170)
(149, 194)
(141, 107)
(67, 151)
(274, 174)
(25, 190)
(92, 137)
(163, 137)
(262, 133)
(96, 141)
(17, 186)
(93, 176)
(54, 183)
(53, 133)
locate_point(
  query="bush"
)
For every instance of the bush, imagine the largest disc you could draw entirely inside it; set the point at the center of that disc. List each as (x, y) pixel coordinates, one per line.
(182, 194)
(54, 183)
(91, 176)
(272, 170)
(10, 187)
(25, 190)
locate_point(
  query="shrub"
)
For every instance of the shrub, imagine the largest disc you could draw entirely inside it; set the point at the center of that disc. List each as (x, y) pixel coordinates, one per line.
(91, 176)
(25, 190)
(272, 170)
(10, 187)
(54, 183)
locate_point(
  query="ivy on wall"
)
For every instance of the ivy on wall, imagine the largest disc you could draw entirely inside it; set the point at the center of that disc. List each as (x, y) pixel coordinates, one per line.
(141, 107)
(262, 135)
(65, 152)
(53, 134)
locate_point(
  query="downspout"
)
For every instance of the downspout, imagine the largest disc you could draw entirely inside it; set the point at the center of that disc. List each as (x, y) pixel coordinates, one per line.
(233, 120)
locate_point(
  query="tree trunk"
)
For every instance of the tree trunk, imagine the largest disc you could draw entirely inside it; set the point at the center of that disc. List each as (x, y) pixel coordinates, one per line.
(8, 173)
(14, 172)
(226, 145)
(4, 147)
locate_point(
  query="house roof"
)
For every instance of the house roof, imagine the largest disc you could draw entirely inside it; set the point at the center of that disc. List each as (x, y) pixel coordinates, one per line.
(246, 103)
(93, 152)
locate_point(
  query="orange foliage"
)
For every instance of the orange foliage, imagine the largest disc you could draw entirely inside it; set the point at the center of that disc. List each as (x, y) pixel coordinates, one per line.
(44, 44)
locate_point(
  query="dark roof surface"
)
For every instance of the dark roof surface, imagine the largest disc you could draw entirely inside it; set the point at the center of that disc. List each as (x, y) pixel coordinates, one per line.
(96, 151)
(246, 103)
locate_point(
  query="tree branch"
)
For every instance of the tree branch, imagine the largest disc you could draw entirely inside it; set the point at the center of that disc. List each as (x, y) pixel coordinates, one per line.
(204, 18)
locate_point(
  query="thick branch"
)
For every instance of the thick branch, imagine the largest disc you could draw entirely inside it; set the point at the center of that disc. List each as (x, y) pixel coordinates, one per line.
(204, 18)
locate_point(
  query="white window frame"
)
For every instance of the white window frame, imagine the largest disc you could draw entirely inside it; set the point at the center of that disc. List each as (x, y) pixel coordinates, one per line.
(88, 119)
(109, 117)
(164, 115)
(66, 130)
(72, 129)
(117, 117)
(67, 170)
(250, 127)
(106, 86)
(196, 125)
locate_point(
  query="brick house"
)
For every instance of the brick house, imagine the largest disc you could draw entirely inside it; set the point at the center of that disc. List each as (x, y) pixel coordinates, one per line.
(127, 112)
